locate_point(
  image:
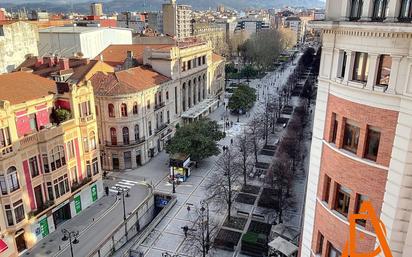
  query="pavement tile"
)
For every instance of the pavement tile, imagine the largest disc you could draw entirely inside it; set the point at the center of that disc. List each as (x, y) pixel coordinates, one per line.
(168, 242)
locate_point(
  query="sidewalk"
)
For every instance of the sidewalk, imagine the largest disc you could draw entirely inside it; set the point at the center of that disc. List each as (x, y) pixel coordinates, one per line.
(52, 244)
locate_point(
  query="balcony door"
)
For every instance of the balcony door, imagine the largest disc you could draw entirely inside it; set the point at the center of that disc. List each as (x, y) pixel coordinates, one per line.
(38, 194)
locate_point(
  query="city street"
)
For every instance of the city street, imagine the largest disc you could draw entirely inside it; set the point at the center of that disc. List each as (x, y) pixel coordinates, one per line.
(168, 235)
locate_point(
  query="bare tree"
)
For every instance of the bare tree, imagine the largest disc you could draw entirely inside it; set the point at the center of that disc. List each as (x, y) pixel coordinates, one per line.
(254, 132)
(244, 148)
(281, 179)
(223, 186)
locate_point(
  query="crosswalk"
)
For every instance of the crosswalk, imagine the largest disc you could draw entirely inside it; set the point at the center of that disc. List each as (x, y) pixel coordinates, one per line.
(124, 183)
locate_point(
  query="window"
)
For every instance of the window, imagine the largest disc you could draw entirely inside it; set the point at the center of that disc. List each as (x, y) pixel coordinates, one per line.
(168, 117)
(84, 109)
(88, 169)
(204, 59)
(355, 10)
(61, 186)
(50, 191)
(326, 193)
(189, 64)
(111, 110)
(57, 158)
(126, 139)
(3, 185)
(12, 179)
(92, 139)
(342, 200)
(351, 137)
(359, 200)
(372, 144)
(379, 10)
(406, 10)
(135, 109)
(199, 60)
(332, 252)
(18, 211)
(148, 104)
(46, 163)
(5, 139)
(86, 144)
(70, 150)
(123, 109)
(167, 95)
(319, 247)
(344, 57)
(113, 136)
(384, 70)
(150, 128)
(33, 122)
(334, 129)
(361, 67)
(9, 215)
(95, 165)
(34, 167)
(136, 133)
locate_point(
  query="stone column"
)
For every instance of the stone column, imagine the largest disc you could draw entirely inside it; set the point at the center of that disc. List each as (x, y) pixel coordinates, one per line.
(373, 70)
(396, 60)
(394, 8)
(345, 10)
(350, 59)
(367, 10)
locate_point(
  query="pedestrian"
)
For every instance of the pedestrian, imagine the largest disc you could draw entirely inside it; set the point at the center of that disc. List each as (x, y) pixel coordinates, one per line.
(185, 230)
(231, 123)
(224, 148)
(188, 208)
(231, 141)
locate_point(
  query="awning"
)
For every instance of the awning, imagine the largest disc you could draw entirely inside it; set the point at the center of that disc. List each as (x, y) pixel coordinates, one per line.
(3, 246)
(283, 246)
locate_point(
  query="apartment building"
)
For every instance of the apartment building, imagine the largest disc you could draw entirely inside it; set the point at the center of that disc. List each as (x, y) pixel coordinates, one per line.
(96, 9)
(49, 157)
(17, 41)
(177, 20)
(154, 88)
(362, 140)
(212, 32)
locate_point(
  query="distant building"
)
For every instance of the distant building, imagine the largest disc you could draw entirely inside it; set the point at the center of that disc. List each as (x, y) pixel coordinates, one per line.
(85, 42)
(213, 33)
(252, 25)
(96, 9)
(295, 24)
(132, 20)
(155, 21)
(177, 20)
(96, 21)
(2, 14)
(39, 15)
(221, 8)
(18, 40)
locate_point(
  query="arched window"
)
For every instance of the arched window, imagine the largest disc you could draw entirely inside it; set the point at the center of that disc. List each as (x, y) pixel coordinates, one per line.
(135, 108)
(406, 10)
(379, 9)
(111, 110)
(92, 139)
(136, 133)
(123, 109)
(126, 139)
(113, 136)
(356, 10)
(11, 182)
(57, 157)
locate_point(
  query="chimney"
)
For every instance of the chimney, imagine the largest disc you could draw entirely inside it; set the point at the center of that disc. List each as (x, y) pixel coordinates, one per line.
(101, 57)
(64, 64)
(39, 61)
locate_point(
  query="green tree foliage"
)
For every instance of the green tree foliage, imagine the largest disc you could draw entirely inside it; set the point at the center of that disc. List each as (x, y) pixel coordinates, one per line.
(249, 72)
(242, 99)
(197, 139)
(230, 68)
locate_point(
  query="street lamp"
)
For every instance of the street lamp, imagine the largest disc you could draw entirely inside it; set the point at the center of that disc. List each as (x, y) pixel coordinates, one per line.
(202, 209)
(72, 237)
(124, 192)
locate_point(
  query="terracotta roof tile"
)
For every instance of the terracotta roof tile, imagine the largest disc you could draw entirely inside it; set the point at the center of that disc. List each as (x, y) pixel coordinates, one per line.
(127, 81)
(217, 58)
(116, 54)
(20, 87)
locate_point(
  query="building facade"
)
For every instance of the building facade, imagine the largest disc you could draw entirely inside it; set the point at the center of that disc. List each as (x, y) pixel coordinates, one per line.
(96, 9)
(17, 41)
(177, 20)
(362, 140)
(156, 88)
(49, 157)
(213, 33)
(85, 42)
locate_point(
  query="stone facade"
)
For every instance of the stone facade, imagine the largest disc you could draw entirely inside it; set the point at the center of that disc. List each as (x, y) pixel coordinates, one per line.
(17, 41)
(370, 94)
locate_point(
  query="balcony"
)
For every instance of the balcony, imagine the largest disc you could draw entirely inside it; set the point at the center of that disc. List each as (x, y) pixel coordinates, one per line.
(86, 119)
(78, 185)
(28, 141)
(40, 209)
(48, 134)
(159, 106)
(121, 144)
(6, 152)
(161, 128)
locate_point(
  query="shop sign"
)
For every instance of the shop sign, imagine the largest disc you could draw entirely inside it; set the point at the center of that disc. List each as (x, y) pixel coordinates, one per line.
(44, 227)
(78, 204)
(94, 193)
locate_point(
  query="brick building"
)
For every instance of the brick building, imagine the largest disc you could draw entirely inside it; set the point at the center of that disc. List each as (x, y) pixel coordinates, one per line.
(362, 140)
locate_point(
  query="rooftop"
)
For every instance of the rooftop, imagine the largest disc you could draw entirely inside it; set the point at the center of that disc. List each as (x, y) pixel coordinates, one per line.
(217, 58)
(115, 55)
(20, 87)
(76, 29)
(127, 81)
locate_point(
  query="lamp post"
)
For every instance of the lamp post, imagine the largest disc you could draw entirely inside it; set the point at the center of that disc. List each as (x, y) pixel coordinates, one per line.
(124, 192)
(173, 180)
(203, 209)
(72, 237)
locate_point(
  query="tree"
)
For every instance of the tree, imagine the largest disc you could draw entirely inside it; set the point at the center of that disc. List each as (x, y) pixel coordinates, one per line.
(222, 187)
(254, 132)
(244, 148)
(248, 72)
(280, 180)
(289, 38)
(197, 139)
(242, 99)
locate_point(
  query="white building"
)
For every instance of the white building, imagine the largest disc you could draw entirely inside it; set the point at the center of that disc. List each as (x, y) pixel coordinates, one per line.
(177, 20)
(294, 24)
(17, 40)
(86, 41)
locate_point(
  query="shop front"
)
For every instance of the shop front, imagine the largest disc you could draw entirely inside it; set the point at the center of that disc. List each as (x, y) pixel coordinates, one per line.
(180, 167)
